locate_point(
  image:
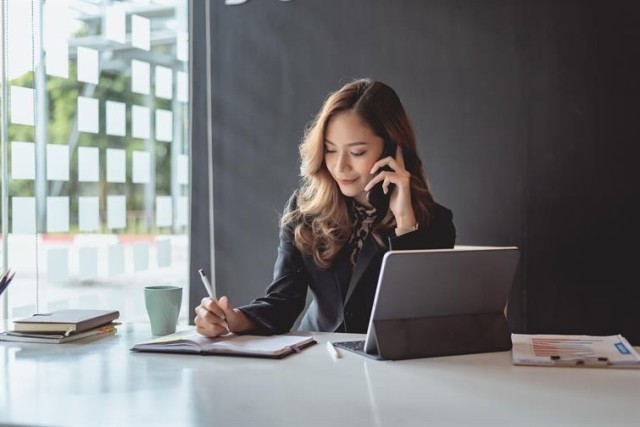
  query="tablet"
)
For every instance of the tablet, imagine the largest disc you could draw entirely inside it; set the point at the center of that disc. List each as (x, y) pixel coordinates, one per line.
(440, 302)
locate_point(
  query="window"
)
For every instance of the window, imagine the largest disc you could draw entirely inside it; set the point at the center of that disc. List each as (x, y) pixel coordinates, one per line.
(95, 157)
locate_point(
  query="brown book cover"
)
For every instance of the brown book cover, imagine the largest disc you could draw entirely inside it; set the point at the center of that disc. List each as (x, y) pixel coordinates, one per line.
(71, 320)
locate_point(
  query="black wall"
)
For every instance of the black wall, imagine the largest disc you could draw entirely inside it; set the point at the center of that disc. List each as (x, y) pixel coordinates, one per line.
(524, 113)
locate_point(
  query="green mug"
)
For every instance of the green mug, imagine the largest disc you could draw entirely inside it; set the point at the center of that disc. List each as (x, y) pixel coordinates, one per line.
(163, 306)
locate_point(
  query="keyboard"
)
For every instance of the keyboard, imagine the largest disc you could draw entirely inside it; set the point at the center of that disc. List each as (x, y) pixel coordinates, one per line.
(357, 346)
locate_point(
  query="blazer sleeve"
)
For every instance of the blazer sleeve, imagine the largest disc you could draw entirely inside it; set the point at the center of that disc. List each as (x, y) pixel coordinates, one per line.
(285, 298)
(440, 233)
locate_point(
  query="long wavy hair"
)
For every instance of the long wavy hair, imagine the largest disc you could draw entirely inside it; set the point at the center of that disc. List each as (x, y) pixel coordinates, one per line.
(323, 224)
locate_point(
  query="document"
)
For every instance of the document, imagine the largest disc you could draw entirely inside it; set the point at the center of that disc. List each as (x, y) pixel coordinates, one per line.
(276, 346)
(612, 351)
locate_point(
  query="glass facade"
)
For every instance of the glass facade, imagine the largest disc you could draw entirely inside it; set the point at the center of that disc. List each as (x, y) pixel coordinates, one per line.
(95, 155)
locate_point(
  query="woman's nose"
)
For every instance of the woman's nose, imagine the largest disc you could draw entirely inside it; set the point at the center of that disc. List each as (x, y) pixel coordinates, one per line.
(342, 162)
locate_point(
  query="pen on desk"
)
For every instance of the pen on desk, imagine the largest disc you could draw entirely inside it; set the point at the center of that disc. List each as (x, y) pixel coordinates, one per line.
(206, 283)
(333, 351)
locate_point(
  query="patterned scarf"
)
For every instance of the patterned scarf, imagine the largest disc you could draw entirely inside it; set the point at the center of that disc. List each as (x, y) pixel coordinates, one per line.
(363, 220)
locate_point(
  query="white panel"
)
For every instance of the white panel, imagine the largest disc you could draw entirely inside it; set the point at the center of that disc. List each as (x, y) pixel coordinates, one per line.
(88, 164)
(141, 168)
(164, 125)
(116, 118)
(88, 65)
(164, 82)
(140, 77)
(116, 260)
(58, 265)
(87, 264)
(140, 122)
(116, 212)
(183, 86)
(57, 63)
(115, 23)
(57, 162)
(21, 105)
(164, 252)
(88, 115)
(182, 46)
(183, 169)
(140, 32)
(18, 38)
(57, 214)
(24, 215)
(183, 211)
(23, 160)
(140, 256)
(55, 41)
(116, 165)
(164, 211)
(89, 213)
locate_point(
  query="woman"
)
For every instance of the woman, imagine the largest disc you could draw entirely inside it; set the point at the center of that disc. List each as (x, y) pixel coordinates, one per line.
(332, 239)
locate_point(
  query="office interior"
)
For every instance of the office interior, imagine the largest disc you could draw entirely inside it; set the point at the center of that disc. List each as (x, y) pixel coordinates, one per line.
(525, 114)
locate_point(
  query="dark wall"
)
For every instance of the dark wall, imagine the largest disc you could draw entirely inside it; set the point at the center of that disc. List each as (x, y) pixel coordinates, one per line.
(580, 68)
(520, 125)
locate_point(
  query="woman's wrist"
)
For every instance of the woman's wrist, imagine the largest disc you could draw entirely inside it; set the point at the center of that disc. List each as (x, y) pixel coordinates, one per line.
(406, 222)
(404, 230)
(244, 324)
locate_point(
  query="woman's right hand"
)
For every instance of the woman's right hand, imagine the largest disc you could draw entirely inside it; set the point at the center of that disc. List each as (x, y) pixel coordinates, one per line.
(215, 318)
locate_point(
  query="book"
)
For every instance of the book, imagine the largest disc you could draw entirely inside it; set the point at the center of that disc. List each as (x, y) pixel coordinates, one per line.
(612, 351)
(65, 321)
(190, 342)
(57, 338)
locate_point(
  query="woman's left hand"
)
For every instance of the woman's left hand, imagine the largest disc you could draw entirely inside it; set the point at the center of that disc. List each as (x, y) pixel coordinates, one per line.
(400, 201)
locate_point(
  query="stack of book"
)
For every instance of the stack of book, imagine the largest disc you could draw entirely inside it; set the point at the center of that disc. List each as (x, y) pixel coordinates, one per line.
(62, 326)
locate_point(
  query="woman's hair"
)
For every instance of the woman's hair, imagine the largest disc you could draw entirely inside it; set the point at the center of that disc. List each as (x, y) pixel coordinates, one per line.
(322, 219)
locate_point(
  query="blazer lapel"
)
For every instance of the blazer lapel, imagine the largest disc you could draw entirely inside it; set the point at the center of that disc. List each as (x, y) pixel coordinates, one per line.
(342, 270)
(369, 250)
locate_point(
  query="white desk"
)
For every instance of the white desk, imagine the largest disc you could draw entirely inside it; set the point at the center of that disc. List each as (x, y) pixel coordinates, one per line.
(103, 383)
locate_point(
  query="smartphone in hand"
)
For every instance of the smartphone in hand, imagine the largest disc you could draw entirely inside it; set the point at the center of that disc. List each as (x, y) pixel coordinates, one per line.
(376, 196)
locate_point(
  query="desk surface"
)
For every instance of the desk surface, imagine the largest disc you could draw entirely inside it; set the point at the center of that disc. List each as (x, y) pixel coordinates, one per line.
(100, 382)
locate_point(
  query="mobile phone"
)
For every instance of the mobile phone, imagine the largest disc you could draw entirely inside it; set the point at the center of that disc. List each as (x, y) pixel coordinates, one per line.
(376, 196)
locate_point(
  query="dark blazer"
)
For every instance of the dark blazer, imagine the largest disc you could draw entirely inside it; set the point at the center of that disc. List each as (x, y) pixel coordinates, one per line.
(329, 311)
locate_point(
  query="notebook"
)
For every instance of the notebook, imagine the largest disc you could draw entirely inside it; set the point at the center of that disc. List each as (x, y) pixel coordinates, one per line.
(440, 302)
(57, 338)
(65, 321)
(190, 342)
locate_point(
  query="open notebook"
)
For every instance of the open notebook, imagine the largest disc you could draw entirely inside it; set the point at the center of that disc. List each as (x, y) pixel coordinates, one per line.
(276, 346)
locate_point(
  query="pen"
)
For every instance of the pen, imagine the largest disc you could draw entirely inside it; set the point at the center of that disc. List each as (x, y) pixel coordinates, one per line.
(333, 351)
(206, 283)
(6, 278)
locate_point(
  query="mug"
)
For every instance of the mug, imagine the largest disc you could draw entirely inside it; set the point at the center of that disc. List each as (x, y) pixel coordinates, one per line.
(163, 306)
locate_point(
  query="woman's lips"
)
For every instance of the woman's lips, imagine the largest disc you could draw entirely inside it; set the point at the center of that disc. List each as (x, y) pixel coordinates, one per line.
(346, 181)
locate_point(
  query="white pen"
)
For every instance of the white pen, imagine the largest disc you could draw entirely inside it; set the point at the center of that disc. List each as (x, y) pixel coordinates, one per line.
(333, 351)
(209, 288)
(207, 284)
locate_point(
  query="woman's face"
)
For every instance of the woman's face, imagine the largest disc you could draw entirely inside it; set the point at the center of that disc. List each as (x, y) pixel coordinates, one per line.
(350, 150)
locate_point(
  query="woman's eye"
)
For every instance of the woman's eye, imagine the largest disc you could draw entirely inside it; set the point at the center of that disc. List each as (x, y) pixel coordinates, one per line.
(358, 154)
(328, 150)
